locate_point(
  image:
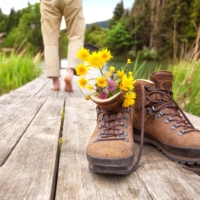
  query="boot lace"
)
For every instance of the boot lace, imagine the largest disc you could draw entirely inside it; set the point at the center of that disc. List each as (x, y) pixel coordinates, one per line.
(111, 126)
(174, 111)
(175, 114)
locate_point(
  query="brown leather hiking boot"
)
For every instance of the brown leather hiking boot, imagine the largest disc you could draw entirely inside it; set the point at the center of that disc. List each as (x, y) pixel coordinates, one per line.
(165, 124)
(111, 147)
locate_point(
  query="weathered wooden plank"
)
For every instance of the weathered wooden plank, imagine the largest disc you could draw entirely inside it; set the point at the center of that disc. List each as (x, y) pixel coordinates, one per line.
(32, 88)
(14, 121)
(30, 171)
(194, 120)
(156, 178)
(165, 179)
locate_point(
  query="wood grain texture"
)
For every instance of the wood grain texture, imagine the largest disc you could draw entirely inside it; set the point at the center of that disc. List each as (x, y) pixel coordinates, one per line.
(30, 170)
(14, 122)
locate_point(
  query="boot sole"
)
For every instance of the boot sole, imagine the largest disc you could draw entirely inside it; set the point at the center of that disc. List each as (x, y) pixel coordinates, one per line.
(111, 166)
(180, 155)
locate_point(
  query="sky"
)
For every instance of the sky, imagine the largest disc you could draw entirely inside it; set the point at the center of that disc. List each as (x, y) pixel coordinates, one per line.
(94, 10)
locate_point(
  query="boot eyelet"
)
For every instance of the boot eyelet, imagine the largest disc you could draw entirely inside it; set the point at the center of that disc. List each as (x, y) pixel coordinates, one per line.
(101, 133)
(125, 117)
(160, 114)
(149, 111)
(153, 108)
(101, 125)
(174, 127)
(97, 139)
(125, 139)
(180, 133)
(167, 121)
(128, 109)
(101, 118)
(125, 133)
(123, 124)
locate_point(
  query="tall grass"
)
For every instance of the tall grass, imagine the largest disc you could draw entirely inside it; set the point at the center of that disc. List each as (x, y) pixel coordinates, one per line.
(186, 82)
(186, 85)
(16, 70)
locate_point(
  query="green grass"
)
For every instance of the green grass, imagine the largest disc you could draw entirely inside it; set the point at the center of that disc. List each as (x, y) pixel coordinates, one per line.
(186, 86)
(16, 70)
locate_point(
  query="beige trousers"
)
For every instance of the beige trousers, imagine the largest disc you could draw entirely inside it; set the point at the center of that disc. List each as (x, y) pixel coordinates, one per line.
(52, 12)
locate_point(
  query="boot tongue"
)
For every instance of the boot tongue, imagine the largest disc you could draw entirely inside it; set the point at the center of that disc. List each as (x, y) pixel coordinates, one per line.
(162, 79)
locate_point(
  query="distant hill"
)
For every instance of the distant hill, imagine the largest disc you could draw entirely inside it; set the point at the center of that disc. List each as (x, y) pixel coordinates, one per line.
(103, 24)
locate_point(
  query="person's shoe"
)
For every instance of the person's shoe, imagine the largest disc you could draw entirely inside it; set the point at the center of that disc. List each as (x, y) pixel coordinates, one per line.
(166, 126)
(111, 147)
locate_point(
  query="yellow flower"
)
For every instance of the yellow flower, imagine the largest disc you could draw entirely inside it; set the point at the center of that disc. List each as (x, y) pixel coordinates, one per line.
(90, 87)
(108, 74)
(102, 82)
(122, 87)
(120, 74)
(87, 97)
(95, 60)
(106, 55)
(82, 82)
(129, 99)
(130, 73)
(128, 82)
(112, 69)
(83, 54)
(129, 61)
(81, 69)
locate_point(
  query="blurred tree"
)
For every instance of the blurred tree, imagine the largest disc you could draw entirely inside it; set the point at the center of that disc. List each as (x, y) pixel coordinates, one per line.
(13, 19)
(119, 38)
(28, 32)
(3, 22)
(117, 14)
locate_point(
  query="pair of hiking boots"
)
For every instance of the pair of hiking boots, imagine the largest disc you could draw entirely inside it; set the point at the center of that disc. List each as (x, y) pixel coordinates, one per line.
(155, 118)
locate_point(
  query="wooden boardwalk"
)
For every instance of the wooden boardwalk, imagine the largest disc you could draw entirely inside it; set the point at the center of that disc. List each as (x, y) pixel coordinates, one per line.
(34, 166)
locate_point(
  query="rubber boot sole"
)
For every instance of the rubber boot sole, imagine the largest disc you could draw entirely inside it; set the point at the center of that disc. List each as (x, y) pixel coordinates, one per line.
(111, 166)
(189, 156)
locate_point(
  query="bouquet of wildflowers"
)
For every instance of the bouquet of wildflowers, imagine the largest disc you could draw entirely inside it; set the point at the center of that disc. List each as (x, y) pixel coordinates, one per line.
(110, 82)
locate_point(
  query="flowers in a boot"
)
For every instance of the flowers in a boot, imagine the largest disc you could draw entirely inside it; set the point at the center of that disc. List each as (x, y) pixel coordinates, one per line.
(107, 83)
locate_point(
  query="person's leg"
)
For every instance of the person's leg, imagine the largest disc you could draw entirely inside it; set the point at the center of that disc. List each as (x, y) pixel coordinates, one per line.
(50, 25)
(73, 14)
